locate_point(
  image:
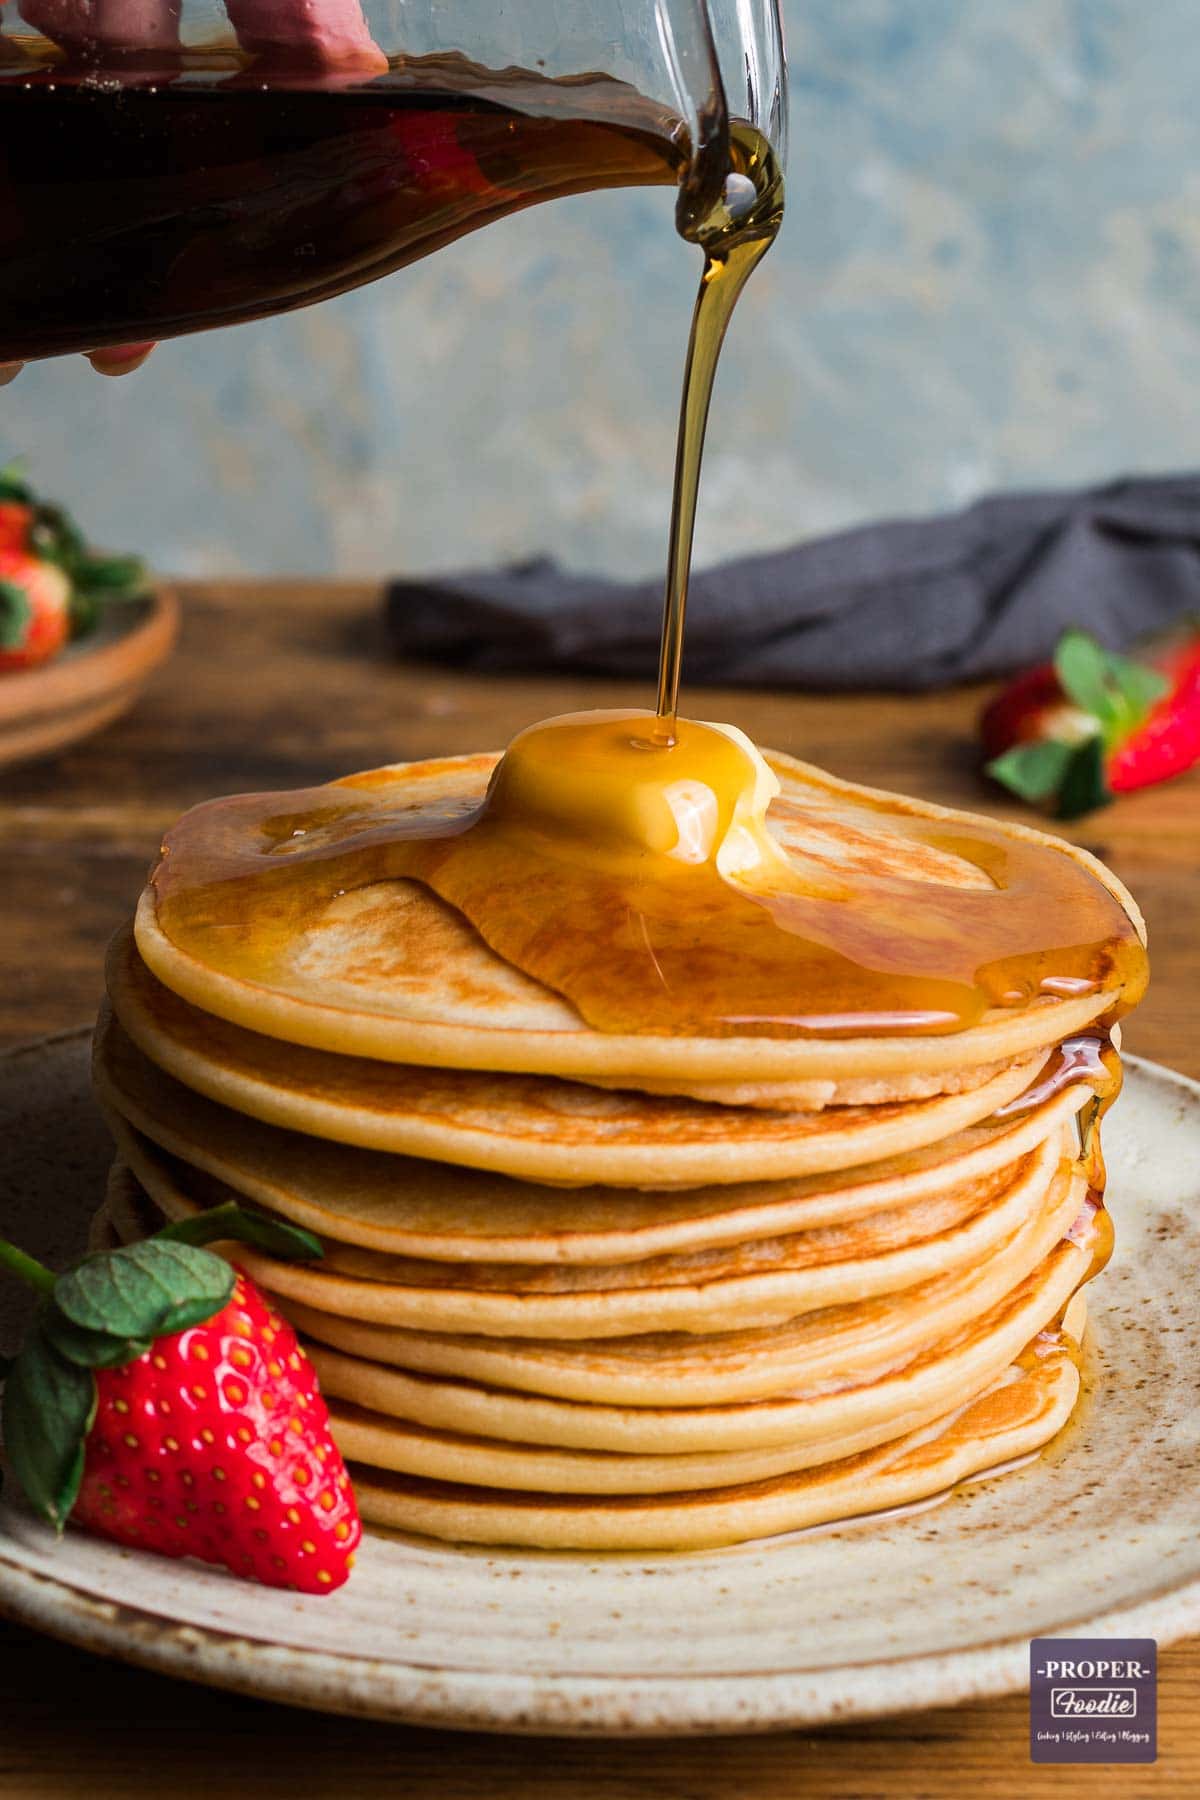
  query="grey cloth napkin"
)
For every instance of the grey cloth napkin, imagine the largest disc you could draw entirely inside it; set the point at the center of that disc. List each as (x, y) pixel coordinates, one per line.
(906, 604)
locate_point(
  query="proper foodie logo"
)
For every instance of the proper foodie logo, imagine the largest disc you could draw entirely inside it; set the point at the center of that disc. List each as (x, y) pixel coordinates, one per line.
(1093, 1700)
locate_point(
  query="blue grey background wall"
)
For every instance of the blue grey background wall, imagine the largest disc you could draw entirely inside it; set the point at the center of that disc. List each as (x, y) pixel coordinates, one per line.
(989, 277)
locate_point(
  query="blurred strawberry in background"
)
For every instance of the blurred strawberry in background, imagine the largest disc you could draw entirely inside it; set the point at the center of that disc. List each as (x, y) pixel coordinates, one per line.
(53, 588)
(1073, 733)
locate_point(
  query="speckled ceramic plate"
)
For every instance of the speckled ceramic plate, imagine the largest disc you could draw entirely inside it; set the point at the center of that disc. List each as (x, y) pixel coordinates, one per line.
(1100, 1535)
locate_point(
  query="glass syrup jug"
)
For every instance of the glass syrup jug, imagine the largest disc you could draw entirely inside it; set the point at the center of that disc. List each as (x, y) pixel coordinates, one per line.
(170, 165)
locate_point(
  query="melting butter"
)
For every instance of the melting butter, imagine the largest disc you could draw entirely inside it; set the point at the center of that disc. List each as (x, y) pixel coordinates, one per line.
(606, 786)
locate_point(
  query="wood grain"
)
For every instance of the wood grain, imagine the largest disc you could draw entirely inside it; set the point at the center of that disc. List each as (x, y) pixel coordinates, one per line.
(282, 683)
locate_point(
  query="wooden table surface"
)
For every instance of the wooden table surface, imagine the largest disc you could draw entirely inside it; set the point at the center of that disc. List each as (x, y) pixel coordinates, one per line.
(284, 683)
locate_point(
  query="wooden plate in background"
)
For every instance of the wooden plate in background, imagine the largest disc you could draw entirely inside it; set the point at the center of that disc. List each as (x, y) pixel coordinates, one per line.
(93, 682)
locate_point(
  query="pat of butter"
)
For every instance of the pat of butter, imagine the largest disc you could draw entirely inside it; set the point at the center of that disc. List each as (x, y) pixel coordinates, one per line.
(610, 782)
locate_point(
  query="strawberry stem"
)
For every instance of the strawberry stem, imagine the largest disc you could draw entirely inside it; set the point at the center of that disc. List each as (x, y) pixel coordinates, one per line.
(30, 1272)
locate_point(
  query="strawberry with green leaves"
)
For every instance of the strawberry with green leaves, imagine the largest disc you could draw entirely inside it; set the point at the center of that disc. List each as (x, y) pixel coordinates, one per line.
(52, 587)
(1092, 724)
(159, 1401)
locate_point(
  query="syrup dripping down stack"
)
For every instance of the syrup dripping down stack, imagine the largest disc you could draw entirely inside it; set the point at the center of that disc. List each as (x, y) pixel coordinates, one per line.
(651, 1287)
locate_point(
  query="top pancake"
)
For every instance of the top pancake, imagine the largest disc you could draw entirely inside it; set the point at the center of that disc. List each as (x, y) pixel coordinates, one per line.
(390, 972)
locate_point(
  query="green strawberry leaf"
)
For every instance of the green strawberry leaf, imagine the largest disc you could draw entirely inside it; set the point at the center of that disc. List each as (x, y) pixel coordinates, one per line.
(246, 1226)
(1034, 771)
(91, 1349)
(49, 1405)
(1117, 691)
(85, 613)
(13, 485)
(15, 615)
(1139, 686)
(1082, 669)
(98, 582)
(118, 577)
(144, 1290)
(1084, 785)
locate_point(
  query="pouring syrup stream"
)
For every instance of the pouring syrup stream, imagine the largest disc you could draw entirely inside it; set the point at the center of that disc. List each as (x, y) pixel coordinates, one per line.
(734, 237)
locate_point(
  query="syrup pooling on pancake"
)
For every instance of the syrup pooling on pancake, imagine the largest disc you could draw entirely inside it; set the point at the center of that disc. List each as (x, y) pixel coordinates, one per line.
(642, 881)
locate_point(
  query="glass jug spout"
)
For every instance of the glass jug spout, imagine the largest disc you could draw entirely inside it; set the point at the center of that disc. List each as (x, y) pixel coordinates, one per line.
(727, 62)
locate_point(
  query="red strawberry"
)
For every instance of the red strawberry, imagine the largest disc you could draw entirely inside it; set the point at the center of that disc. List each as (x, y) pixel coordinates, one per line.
(15, 521)
(1093, 724)
(51, 586)
(160, 1402)
(1168, 743)
(215, 1443)
(35, 610)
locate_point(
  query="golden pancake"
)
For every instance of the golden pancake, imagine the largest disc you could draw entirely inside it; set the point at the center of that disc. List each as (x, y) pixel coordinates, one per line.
(1017, 1417)
(388, 971)
(1022, 1409)
(815, 1094)
(181, 1191)
(814, 1415)
(525, 1125)
(847, 1418)
(834, 1347)
(407, 1207)
(510, 1300)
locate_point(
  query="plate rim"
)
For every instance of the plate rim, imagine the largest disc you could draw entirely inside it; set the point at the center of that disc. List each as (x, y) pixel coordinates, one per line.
(542, 1702)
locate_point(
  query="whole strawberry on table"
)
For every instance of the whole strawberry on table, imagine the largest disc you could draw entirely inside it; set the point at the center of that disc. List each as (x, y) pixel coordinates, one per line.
(160, 1401)
(53, 588)
(1091, 724)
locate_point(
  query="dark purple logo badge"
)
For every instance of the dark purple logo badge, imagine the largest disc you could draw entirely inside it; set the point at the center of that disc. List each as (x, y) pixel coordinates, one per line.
(1093, 1700)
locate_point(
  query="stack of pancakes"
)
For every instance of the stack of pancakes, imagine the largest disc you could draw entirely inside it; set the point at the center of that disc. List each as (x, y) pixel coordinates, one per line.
(584, 1289)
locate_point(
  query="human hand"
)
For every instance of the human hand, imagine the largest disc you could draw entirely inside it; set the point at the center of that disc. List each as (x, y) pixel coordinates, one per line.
(117, 359)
